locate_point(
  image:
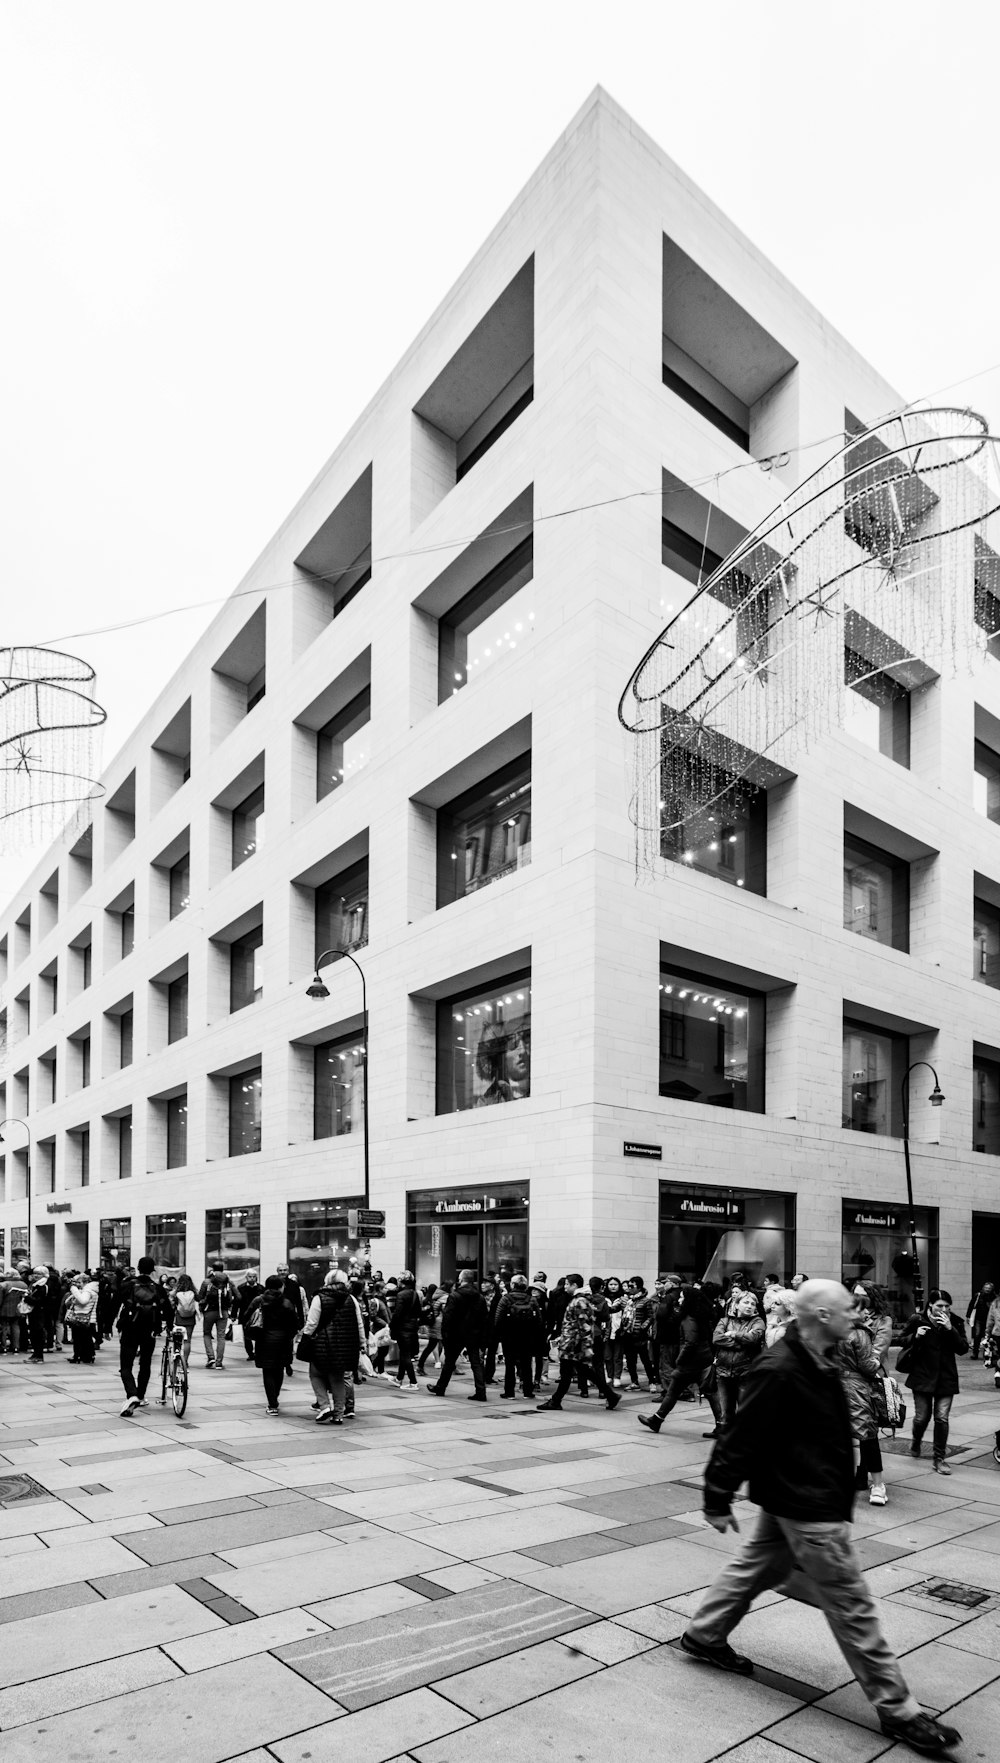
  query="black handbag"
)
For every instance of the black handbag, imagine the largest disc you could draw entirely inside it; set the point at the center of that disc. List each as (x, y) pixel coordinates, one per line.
(304, 1350)
(905, 1360)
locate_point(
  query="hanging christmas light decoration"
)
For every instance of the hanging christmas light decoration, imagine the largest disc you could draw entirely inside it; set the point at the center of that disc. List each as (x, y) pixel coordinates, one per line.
(876, 569)
(49, 755)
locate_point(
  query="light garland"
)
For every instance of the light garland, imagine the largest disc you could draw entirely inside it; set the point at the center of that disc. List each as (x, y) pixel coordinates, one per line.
(49, 743)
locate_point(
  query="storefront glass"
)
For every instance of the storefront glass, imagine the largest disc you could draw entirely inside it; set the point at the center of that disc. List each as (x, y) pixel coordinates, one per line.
(166, 1241)
(711, 1043)
(877, 1249)
(318, 1240)
(450, 1229)
(712, 1233)
(232, 1236)
(484, 1046)
(116, 1242)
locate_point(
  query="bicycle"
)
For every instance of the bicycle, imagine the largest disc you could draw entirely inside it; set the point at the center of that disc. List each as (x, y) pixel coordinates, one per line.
(173, 1370)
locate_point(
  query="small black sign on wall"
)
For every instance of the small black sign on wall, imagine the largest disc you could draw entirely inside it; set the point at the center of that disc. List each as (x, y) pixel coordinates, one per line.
(652, 1153)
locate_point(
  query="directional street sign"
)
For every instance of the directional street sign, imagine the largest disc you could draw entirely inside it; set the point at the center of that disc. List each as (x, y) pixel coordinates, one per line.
(363, 1222)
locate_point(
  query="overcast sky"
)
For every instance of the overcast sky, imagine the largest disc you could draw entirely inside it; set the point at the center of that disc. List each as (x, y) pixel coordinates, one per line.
(223, 221)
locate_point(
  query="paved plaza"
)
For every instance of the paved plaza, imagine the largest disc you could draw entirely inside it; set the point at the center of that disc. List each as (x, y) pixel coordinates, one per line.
(438, 1581)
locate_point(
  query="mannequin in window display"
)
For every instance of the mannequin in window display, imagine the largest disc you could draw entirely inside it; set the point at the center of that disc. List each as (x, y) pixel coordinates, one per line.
(491, 1067)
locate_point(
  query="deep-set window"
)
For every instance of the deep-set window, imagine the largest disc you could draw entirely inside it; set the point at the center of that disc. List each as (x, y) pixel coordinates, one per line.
(986, 1106)
(877, 708)
(986, 782)
(232, 1236)
(485, 834)
(343, 745)
(248, 826)
(483, 626)
(484, 1046)
(728, 839)
(342, 910)
(125, 1024)
(874, 1067)
(876, 894)
(128, 931)
(245, 1112)
(246, 969)
(339, 1087)
(180, 885)
(166, 1239)
(711, 1042)
(83, 1156)
(985, 943)
(177, 1111)
(177, 1009)
(125, 1147)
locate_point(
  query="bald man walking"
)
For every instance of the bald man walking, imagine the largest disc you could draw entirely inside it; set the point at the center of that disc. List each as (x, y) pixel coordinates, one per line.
(791, 1440)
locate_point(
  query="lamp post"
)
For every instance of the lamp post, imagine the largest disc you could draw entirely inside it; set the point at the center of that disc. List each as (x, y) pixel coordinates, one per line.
(935, 1099)
(14, 1121)
(318, 990)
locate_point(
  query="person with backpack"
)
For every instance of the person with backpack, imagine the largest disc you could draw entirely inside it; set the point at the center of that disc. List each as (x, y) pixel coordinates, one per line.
(143, 1312)
(519, 1327)
(271, 1324)
(404, 1328)
(575, 1347)
(215, 1299)
(335, 1331)
(184, 1299)
(248, 1299)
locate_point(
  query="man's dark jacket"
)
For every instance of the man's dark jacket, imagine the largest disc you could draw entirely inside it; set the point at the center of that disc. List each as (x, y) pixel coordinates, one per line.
(465, 1321)
(791, 1440)
(404, 1322)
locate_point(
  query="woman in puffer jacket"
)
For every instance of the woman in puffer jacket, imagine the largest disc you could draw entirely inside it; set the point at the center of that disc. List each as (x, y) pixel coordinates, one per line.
(861, 1370)
(694, 1358)
(738, 1339)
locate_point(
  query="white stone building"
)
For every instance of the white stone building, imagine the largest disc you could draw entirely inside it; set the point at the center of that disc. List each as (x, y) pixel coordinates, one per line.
(399, 736)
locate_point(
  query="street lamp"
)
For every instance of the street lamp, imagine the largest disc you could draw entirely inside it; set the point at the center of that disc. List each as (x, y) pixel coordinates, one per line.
(935, 1099)
(4, 1124)
(318, 990)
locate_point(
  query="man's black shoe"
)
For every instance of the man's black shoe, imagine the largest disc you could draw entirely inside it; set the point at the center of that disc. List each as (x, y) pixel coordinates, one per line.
(722, 1656)
(539, 1406)
(432, 1389)
(650, 1420)
(478, 1396)
(613, 1400)
(716, 1433)
(922, 1733)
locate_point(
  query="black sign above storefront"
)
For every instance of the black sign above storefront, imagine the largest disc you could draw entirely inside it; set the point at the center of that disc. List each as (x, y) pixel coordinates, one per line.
(700, 1209)
(631, 1148)
(872, 1218)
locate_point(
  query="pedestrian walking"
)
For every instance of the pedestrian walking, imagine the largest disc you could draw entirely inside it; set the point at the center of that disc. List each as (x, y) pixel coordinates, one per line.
(184, 1300)
(215, 1298)
(991, 1341)
(932, 1341)
(35, 1302)
(635, 1331)
(248, 1296)
(465, 1327)
(81, 1313)
(144, 1310)
(519, 1327)
(575, 1347)
(404, 1327)
(977, 1313)
(435, 1299)
(694, 1357)
(791, 1440)
(14, 1293)
(271, 1325)
(336, 1337)
(738, 1339)
(861, 1370)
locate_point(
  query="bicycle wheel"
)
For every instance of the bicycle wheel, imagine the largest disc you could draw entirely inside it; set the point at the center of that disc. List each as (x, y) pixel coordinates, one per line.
(164, 1374)
(179, 1387)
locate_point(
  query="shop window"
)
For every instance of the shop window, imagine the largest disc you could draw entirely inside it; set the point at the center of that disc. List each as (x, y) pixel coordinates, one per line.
(116, 1242)
(485, 834)
(343, 747)
(714, 1232)
(317, 1239)
(986, 782)
(877, 709)
(232, 1236)
(475, 1229)
(985, 943)
(876, 894)
(177, 1009)
(875, 1064)
(342, 911)
(480, 628)
(727, 840)
(177, 1135)
(248, 826)
(180, 885)
(245, 1112)
(711, 1043)
(878, 1248)
(484, 1046)
(166, 1241)
(986, 1106)
(246, 969)
(339, 1087)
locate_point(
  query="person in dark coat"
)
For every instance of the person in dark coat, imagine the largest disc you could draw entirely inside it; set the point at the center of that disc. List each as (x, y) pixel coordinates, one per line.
(465, 1326)
(791, 1440)
(977, 1313)
(694, 1359)
(271, 1340)
(519, 1326)
(334, 1322)
(404, 1327)
(932, 1341)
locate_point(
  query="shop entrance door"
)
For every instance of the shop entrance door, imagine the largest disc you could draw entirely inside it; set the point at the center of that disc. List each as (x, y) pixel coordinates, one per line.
(985, 1249)
(461, 1247)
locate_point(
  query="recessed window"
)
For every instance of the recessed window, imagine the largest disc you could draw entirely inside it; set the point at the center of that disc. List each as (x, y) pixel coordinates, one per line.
(125, 1022)
(877, 709)
(876, 894)
(177, 1110)
(485, 834)
(728, 839)
(987, 593)
(83, 1156)
(711, 1043)
(484, 626)
(177, 1008)
(885, 501)
(484, 1046)
(245, 1112)
(986, 1106)
(86, 965)
(246, 969)
(127, 931)
(239, 675)
(986, 782)
(166, 1240)
(339, 1087)
(874, 1066)
(232, 1236)
(125, 1147)
(84, 1045)
(985, 943)
(343, 747)
(342, 910)
(338, 558)
(180, 885)
(248, 826)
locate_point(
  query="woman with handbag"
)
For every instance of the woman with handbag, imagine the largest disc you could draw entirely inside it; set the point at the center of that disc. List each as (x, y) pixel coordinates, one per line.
(331, 1345)
(931, 1344)
(876, 1319)
(862, 1372)
(272, 1327)
(80, 1314)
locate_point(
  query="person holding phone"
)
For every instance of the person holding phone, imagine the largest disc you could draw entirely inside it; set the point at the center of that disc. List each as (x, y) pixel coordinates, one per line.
(933, 1341)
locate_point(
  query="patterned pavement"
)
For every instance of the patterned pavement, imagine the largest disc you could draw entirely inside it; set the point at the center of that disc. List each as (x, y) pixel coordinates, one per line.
(438, 1581)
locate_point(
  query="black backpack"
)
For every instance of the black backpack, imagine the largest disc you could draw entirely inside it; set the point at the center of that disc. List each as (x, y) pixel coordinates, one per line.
(145, 1304)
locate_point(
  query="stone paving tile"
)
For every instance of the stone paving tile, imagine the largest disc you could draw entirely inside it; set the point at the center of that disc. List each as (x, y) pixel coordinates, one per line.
(25, 1545)
(127, 1625)
(608, 1643)
(84, 1560)
(543, 1524)
(654, 1530)
(517, 1677)
(259, 1635)
(376, 1601)
(18, 1606)
(23, 1519)
(946, 1675)
(428, 1588)
(279, 1549)
(375, 1734)
(952, 1561)
(204, 1718)
(567, 1549)
(655, 1621)
(209, 1509)
(981, 1636)
(811, 1732)
(642, 1700)
(78, 1689)
(461, 1578)
(417, 1647)
(634, 1505)
(144, 1579)
(358, 1565)
(233, 1531)
(609, 1584)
